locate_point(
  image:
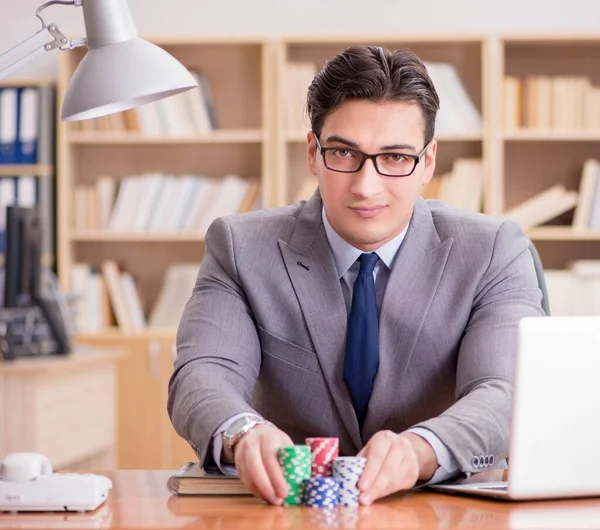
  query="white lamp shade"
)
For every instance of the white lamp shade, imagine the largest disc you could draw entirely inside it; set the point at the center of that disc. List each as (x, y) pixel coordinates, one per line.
(120, 76)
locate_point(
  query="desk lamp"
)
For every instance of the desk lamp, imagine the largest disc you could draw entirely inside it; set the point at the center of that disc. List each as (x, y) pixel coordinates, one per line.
(120, 70)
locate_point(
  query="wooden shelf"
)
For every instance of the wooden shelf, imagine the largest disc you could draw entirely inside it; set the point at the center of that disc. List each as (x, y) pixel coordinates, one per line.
(225, 136)
(10, 170)
(101, 236)
(403, 38)
(115, 333)
(541, 39)
(300, 136)
(561, 233)
(550, 135)
(41, 81)
(47, 260)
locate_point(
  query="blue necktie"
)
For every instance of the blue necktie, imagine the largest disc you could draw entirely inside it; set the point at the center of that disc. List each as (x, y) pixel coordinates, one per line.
(362, 339)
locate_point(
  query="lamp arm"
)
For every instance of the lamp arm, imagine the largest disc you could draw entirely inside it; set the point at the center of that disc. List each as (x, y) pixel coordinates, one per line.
(38, 43)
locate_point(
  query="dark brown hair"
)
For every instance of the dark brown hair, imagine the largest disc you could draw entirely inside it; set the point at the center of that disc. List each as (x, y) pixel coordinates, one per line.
(376, 74)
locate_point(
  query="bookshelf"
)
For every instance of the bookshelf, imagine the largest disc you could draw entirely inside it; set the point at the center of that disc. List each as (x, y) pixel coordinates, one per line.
(550, 125)
(550, 128)
(238, 74)
(261, 134)
(259, 96)
(297, 58)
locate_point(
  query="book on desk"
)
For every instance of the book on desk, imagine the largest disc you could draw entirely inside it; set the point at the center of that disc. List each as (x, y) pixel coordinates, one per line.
(192, 479)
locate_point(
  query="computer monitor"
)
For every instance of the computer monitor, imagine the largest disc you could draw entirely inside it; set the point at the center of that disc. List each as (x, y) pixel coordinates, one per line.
(23, 285)
(22, 258)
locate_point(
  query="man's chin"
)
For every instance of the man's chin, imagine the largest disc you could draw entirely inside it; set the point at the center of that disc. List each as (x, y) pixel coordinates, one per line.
(365, 240)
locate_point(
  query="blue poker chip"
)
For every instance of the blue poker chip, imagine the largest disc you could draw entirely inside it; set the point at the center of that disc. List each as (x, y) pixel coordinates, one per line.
(321, 492)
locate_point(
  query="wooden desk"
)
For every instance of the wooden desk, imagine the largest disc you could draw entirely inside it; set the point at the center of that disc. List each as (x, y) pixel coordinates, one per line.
(61, 406)
(140, 499)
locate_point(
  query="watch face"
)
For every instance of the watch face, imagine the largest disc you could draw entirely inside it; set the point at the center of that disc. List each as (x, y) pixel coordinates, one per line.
(238, 425)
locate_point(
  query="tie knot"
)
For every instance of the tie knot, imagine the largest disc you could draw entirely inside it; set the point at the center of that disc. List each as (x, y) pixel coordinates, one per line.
(367, 263)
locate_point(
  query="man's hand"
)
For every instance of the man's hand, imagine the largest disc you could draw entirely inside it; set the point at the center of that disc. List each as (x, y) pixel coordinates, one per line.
(257, 465)
(394, 462)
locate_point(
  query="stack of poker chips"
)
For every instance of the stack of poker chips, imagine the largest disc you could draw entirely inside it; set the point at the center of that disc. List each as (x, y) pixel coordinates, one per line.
(295, 461)
(317, 477)
(321, 492)
(347, 471)
(324, 451)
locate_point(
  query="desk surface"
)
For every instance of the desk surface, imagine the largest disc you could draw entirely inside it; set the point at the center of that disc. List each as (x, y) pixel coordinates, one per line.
(140, 499)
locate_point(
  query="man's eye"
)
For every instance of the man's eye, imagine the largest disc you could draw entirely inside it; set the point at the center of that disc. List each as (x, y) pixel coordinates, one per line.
(343, 153)
(395, 157)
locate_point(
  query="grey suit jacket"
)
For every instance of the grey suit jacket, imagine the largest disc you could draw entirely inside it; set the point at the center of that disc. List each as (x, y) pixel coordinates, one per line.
(268, 307)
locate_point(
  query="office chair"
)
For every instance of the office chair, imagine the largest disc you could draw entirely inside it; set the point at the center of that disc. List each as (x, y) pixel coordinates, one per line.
(539, 271)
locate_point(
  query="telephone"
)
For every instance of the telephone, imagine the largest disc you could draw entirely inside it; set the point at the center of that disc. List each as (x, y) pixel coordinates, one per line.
(27, 483)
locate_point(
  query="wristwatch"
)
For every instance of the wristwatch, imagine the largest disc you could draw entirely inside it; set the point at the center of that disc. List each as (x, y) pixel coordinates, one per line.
(234, 433)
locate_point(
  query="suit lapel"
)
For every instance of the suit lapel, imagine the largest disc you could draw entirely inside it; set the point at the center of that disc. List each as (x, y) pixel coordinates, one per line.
(311, 268)
(413, 281)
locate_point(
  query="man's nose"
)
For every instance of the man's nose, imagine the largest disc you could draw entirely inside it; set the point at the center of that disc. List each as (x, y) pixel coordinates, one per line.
(367, 182)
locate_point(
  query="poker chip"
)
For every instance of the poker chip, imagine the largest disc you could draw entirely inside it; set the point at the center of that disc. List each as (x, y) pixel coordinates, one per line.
(347, 470)
(321, 492)
(295, 462)
(324, 451)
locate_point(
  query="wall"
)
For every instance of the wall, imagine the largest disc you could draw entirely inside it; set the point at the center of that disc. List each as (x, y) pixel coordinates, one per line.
(274, 17)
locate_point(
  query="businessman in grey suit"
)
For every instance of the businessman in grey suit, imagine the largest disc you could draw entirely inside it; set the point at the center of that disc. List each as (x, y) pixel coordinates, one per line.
(365, 313)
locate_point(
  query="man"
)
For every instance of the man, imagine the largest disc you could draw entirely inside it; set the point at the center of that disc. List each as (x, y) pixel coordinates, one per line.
(365, 313)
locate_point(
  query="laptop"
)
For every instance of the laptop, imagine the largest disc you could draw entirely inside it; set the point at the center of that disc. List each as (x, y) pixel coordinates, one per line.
(555, 430)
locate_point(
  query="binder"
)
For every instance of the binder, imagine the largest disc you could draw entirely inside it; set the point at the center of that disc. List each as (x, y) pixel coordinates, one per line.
(9, 115)
(8, 196)
(28, 128)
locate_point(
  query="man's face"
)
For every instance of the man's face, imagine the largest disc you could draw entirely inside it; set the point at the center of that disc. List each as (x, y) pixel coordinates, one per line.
(366, 208)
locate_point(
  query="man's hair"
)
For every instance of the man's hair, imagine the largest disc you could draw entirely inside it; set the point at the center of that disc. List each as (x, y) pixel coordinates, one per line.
(376, 74)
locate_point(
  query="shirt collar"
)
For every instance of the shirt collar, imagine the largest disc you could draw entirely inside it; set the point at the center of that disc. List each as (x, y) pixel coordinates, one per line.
(345, 254)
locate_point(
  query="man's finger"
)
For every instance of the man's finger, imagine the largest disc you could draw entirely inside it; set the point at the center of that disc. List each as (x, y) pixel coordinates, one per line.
(256, 472)
(375, 452)
(244, 478)
(392, 474)
(378, 481)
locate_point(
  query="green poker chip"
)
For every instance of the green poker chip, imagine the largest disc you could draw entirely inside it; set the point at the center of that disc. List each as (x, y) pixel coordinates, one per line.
(295, 462)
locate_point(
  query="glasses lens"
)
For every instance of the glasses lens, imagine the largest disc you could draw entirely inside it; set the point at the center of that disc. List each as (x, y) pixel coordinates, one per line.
(395, 164)
(342, 160)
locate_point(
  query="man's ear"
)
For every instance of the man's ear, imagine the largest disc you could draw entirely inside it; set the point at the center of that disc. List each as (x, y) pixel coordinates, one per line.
(429, 160)
(311, 153)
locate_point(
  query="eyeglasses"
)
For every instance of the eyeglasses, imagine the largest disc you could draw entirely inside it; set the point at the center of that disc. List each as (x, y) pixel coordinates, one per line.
(346, 160)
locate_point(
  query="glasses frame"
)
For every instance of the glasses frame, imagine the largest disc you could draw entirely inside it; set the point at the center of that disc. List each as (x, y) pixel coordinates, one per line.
(366, 156)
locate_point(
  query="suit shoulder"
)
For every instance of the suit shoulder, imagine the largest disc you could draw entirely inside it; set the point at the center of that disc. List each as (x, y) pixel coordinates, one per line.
(263, 223)
(456, 223)
(471, 228)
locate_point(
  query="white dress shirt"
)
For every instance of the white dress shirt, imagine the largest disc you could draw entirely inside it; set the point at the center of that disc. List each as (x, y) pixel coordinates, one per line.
(347, 266)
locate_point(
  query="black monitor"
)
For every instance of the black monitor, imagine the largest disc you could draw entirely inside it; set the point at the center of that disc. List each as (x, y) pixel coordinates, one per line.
(22, 256)
(23, 274)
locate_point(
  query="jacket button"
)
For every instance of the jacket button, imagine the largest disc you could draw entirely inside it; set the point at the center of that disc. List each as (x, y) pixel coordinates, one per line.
(475, 462)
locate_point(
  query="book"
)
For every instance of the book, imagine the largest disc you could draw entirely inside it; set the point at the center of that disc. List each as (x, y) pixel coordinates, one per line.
(543, 207)
(194, 480)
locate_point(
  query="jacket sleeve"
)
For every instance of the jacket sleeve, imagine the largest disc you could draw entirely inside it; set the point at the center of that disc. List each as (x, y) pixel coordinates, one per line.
(476, 427)
(218, 349)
